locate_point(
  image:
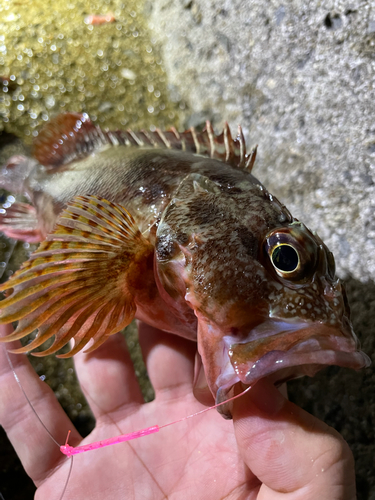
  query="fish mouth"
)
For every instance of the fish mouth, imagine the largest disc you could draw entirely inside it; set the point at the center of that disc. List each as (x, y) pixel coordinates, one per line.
(283, 351)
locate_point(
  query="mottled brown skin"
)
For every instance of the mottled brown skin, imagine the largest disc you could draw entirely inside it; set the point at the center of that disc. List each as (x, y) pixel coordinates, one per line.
(142, 179)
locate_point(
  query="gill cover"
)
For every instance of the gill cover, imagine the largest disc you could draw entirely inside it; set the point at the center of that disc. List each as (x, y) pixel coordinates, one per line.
(176, 240)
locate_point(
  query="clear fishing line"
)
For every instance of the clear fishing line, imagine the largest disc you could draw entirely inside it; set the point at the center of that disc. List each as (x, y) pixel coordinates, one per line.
(40, 420)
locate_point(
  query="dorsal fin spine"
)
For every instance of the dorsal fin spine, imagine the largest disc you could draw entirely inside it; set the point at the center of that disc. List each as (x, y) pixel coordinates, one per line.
(100, 135)
(135, 138)
(149, 138)
(125, 138)
(251, 160)
(228, 141)
(195, 139)
(241, 140)
(113, 139)
(176, 133)
(211, 137)
(163, 138)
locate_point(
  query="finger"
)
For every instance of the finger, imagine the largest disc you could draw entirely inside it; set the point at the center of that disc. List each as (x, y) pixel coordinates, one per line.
(108, 379)
(169, 360)
(291, 452)
(37, 451)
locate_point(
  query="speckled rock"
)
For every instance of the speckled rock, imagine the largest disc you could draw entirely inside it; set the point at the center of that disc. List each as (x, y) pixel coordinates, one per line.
(299, 77)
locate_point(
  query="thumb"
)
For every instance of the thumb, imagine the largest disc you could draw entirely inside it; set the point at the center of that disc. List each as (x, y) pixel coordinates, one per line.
(293, 454)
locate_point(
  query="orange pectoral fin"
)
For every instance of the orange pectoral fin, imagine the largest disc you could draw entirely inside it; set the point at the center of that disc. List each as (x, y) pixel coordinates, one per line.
(79, 283)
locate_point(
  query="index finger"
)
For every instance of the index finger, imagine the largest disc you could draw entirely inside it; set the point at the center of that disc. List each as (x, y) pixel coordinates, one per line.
(37, 451)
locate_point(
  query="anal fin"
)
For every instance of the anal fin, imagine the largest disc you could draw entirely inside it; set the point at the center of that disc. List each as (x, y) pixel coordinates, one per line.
(82, 280)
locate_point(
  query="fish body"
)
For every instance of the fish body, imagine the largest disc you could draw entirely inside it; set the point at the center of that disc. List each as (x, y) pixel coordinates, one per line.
(172, 229)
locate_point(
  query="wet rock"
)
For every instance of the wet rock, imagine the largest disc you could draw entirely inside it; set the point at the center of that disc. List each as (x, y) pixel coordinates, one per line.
(52, 59)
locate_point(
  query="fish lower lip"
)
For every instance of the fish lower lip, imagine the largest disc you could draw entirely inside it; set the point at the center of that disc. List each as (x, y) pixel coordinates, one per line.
(321, 346)
(286, 366)
(305, 357)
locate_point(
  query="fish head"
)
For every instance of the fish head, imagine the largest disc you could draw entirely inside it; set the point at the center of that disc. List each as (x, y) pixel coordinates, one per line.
(265, 293)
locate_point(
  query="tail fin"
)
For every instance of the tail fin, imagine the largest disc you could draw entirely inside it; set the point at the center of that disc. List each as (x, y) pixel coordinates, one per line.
(14, 173)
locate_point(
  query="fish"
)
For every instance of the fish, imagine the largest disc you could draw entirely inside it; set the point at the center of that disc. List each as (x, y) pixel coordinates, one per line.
(174, 230)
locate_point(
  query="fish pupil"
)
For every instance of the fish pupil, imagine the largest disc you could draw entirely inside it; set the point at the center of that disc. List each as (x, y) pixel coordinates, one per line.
(285, 258)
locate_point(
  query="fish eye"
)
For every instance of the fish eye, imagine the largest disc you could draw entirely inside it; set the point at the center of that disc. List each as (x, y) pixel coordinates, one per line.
(285, 258)
(292, 252)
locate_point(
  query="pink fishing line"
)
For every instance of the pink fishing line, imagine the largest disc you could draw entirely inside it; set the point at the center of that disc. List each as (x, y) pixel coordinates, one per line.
(68, 450)
(71, 450)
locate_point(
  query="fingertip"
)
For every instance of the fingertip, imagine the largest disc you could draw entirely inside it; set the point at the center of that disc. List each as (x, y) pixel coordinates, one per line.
(107, 377)
(169, 360)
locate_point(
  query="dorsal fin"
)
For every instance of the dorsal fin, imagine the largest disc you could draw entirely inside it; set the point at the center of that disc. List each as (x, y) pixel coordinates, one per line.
(63, 138)
(69, 136)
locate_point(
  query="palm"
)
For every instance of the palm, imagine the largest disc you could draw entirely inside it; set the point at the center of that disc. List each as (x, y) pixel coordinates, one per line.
(205, 457)
(180, 461)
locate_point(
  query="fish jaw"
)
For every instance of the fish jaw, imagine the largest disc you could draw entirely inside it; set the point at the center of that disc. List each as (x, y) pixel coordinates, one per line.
(277, 349)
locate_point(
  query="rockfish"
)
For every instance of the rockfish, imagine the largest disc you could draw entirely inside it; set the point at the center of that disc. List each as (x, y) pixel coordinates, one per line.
(172, 229)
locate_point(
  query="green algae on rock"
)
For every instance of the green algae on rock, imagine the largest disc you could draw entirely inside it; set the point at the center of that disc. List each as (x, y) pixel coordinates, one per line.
(53, 58)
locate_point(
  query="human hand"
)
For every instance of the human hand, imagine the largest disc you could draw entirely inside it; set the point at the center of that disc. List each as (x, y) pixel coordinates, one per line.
(271, 450)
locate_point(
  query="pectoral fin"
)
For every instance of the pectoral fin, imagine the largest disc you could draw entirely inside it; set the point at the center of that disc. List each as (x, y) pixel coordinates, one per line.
(81, 282)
